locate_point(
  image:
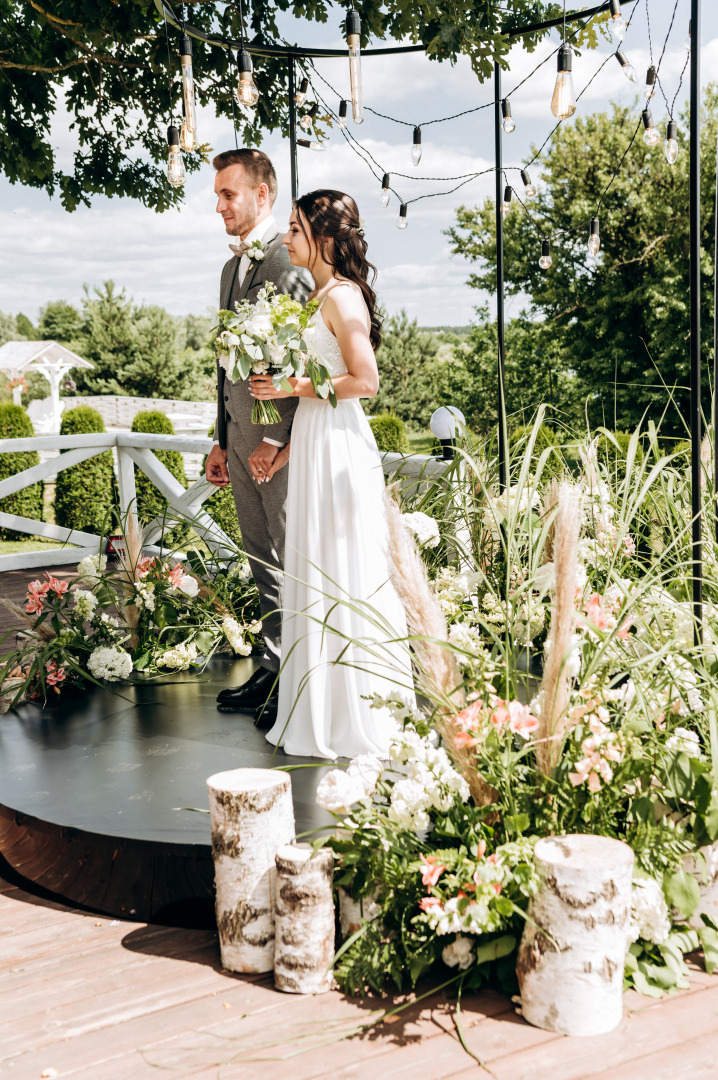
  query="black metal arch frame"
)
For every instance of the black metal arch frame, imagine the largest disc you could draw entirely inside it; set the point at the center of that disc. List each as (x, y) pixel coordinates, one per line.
(296, 52)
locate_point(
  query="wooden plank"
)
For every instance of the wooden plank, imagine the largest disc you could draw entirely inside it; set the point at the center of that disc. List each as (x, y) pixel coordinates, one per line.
(126, 485)
(58, 442)
(46, 468)
(188, 444)
(27, 560)
(51, 532)
(687, 1060)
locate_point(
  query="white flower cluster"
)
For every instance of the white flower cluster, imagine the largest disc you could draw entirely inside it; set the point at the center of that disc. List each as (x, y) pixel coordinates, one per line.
(424, 528)
(459, 953)
(684, 741)
(110, 664)
(430, 781)
(91, 569)
(85, 603)
(452, 589)
(340, 789)
(144, 596)
(473, 655)
(529, 620)
(234, 634)
(477, 918)
(179, 657)
(650, 919)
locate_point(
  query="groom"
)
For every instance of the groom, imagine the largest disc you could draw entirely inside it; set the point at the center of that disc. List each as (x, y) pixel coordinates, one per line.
(246, 187)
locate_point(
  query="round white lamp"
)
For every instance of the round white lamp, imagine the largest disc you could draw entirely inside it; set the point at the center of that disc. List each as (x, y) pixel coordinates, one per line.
(444, 424)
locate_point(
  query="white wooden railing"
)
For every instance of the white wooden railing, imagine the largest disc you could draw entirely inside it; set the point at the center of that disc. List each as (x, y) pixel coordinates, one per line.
(135, 450)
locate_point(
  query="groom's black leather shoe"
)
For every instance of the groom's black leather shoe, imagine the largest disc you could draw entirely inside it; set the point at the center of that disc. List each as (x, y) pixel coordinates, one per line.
(249, 696)
(266, 714)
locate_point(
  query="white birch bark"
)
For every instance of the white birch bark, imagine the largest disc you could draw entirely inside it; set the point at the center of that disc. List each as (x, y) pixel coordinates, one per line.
(352, 913)
(304, 925)
(252, 816)
(572, 953)
(704, 868)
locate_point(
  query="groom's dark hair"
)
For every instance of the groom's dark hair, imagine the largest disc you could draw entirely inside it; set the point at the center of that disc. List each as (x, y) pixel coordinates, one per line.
(257, 166)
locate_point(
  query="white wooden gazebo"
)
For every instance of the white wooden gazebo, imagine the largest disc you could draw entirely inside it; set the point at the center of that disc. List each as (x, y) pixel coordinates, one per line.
(54, 361)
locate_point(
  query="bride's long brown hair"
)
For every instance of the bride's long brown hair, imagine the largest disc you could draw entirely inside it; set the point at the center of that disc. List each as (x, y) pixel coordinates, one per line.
(333, 220)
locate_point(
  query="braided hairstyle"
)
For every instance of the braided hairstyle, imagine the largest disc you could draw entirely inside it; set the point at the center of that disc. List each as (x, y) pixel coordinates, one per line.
(335, 228)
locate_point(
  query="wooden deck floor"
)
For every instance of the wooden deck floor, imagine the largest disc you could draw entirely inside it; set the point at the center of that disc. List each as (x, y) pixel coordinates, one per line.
(91, 998)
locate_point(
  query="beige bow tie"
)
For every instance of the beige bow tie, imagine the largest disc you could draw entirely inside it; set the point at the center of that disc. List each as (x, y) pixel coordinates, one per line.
(239, 249)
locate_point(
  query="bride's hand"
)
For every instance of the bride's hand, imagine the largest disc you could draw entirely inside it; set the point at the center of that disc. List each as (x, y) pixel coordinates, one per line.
(279, 462)
(261, 386)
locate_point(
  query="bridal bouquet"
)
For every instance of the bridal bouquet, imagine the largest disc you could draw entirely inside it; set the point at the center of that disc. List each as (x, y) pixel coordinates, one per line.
(269, 337)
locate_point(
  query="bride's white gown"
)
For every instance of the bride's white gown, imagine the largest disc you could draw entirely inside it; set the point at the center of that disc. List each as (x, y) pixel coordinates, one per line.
(336, 570)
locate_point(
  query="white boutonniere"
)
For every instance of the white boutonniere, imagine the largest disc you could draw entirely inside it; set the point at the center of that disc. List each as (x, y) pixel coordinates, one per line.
(255, 251)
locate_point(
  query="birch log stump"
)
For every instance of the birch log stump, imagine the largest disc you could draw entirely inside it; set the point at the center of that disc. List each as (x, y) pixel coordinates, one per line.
(304, 942)
(572, 953)
(252, 816)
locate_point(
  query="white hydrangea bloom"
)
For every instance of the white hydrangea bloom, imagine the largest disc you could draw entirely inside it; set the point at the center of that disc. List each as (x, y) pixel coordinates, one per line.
(338, 791)
(179, 657)
(109, 663)
(91, 569)
(367, 768)
(459, 953)
(145, 596)
(234, 634)
(650, 919)
(85, 603)
(685, 741)
(424, 528)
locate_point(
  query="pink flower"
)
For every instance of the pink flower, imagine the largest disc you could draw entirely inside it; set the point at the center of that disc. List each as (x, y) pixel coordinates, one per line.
(480, 849)
(501, 715)
(463, 739)
(625, 630)
(596, 614)
(630, 544)
(54, 675)
(521, 721)
(432, 871)
(36, 593)
(470, 717)
(55, 585)
(428, 902)
(175, 575)
(144, 566)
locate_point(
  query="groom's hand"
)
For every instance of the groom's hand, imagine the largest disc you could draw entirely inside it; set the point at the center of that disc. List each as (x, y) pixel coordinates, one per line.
(261, 460)
(215, 469)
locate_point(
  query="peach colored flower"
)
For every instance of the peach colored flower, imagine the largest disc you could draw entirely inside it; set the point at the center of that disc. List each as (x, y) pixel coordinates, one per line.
(470, 717)
(175, 575)
(500, 716)
(432, 870)
(630, 544)
(463, 739)
(595, 613)
(480, 849)
(428, 902)
(54, 675)
(144, 565)
(521, 721)
(55, 585)
(36, 593)
(625, 630)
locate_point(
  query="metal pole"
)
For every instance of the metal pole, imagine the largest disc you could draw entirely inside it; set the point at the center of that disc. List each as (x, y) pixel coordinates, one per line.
(498, 119)
(293, 132)
(695, 295)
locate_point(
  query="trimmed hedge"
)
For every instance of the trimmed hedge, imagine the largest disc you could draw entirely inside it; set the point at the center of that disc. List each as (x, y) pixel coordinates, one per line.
(388, 430)
(150, 504)
(86, 494)
(16, 424)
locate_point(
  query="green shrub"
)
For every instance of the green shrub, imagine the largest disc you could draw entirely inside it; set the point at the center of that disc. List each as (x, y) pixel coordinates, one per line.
(86, 494)
(388, 429)
(545, 439)
(16, 424)
(221, 508)
(150, 503)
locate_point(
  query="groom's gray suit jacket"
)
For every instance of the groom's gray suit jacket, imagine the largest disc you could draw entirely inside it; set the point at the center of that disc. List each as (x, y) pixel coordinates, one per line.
(260, 507)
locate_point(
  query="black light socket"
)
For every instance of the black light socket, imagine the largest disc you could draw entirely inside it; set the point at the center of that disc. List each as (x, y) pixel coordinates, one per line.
(417, 136)
(343, 109)
(173, 136)
(545, 248)
(505, 108)
(565, 58)
(647, 119)
(525, 177)
(186, 45)
(508, 191)
(353, 24)
(385, 180)
(622, 58)
(244, 61)
(595, 230)
(304, 86)
(615, 7)
(402, 210)
(672, 130)
(651, 76)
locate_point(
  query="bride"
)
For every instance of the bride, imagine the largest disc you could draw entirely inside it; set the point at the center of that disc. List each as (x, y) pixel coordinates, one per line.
(342, 620)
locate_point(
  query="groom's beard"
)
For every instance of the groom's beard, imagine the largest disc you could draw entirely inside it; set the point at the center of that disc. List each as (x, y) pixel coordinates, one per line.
(242, 229)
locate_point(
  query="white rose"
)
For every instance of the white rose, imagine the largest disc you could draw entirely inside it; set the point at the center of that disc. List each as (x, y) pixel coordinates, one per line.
(189, 585)
(338, 791)
(459, 953)
(367, 768)
(259, 324)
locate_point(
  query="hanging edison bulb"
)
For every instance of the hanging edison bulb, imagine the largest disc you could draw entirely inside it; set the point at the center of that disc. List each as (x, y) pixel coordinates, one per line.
(628, 69)
(649, 88)
(402, 222)
(353, 25)
(594, 240)
(416, 147)
(618, 23)
(342, 120)
(176, 172)
(301, 95)
(563, 102)
(529, 189)
(188, 134)
(312, 144)
(508, 124)
(651, 134)
(506, 204)
(385, 192)
(246, 93)
(307, 121)
(545, 260)
(671, 147)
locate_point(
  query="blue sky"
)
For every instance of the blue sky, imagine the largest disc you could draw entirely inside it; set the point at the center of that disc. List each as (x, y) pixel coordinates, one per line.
(174, 259)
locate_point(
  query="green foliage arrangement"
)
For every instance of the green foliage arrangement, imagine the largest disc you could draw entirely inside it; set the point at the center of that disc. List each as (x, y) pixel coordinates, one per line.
(388, 430)
(86, 494)
(150, 504)
(16, 424)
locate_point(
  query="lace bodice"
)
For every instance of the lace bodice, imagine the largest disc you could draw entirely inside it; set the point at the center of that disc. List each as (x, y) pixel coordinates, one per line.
(321, 341)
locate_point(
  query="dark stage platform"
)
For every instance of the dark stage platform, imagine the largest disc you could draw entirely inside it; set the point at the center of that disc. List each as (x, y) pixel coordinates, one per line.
(90, 791)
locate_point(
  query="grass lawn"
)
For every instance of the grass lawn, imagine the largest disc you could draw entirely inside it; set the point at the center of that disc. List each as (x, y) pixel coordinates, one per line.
(33, 543)
(421, 442)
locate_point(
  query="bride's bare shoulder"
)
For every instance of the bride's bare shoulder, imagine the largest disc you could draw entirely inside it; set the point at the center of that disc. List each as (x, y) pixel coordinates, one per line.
(345, 301)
